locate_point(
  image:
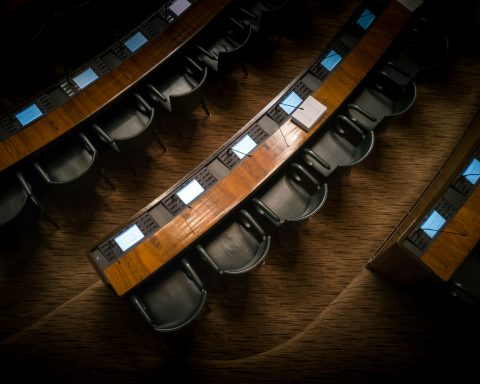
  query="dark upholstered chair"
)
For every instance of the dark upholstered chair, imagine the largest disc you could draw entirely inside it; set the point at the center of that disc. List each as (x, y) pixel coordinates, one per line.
(378, 101)
(340, 147)
(236, 246)
(226, 50)
(465, 283)
(294, 196)
(129, 127)
(72, 166)
(171, 299)
(180, 89)
(19, 207)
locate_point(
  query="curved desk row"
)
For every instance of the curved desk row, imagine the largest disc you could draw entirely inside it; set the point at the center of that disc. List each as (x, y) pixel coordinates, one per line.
(77, 98)
(175, 221)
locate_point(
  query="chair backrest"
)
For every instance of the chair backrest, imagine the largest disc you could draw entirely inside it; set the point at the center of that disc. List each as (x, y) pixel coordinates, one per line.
(236, 246)
(228, 59)
(19, 208)
(172, 299)
(73, 166)
(295, 196)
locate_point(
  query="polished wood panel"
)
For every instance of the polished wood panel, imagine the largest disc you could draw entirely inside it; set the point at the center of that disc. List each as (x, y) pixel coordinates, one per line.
(396, 262)
(150, 255)
(107, 88)
(450, 248)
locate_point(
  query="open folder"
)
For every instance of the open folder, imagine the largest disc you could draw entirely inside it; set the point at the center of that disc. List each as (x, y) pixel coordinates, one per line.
(308, 113)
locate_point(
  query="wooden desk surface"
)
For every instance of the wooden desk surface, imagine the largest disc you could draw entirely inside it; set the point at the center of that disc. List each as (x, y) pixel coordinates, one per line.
(150, 255)
(450, 249)
(108, 87)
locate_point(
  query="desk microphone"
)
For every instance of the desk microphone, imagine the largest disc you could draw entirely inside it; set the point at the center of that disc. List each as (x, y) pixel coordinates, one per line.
(230, 150)
(471, 174)
(289, 105)
(439, 230)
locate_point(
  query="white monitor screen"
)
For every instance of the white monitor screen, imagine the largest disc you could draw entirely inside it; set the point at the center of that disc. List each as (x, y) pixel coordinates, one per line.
(129, 237)
(244, 146)
(27, 115)
(135, 41)
(179, 6)
(472, 172)
(291, 102)
(85, 78)
(190, 191)
(433, 224)
(366, 19)
(331, 60)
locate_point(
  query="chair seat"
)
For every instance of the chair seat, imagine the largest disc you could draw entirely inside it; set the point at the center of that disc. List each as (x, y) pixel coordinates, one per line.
(295, 196)
(126, 124)
(68, 165)
(236, 246)
(172, 299)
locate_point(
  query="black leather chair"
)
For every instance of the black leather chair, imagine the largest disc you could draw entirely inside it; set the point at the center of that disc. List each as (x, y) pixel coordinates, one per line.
(425, 43)
(19, 207)
(227, 49)
(236, 246)
(342, 145)
(294, 196)
(129, 127)
(172, 299)
(73, 166)
(180, 89)
(380, 100)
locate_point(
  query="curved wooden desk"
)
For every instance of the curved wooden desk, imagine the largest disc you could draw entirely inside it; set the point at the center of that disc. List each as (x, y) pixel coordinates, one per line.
(139, 262)
(120, 79)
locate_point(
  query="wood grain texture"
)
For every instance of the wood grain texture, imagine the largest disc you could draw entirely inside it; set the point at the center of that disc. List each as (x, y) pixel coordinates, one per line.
(311, 314)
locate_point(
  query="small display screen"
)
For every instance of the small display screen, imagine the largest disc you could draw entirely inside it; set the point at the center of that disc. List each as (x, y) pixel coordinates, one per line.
(472, 172)
(331, 60)
(129, 237)
(85, 78)
(291, 102)
(365, 19)
(29, 114)
(190, 191)
(179, 6)
(244, 146)
(135, 42)
(433, 224)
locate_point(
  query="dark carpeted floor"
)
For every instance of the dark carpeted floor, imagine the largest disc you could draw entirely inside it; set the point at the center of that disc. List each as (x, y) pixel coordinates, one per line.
(312, 313)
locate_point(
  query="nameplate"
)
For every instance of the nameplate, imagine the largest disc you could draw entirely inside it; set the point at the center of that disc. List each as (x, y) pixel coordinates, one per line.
(308, 113)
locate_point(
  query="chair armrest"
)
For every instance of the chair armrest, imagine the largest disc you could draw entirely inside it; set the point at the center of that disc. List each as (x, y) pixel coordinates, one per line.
(300, 172)
(362, 111)
(191, 273)
(209, 54)
(155, 94)
(105, 137)
(236, 23)
(142, 103)
(317, 158)
(42, 172)
(205, 256)
(262, 209)
(87, 143)
(24, 183)
(252, 223)
(141, 308)
(355, 134)
(248, 13)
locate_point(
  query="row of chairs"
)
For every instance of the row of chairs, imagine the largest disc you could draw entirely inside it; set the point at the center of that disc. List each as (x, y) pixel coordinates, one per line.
(131, 124)
(240, 243)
